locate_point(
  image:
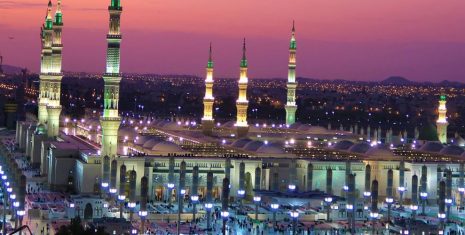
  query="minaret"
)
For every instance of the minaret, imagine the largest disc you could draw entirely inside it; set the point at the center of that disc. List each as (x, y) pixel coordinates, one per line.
(291, 106)
(441, 123)
(45, 65)
(242, 103)
(207, 120)
(110, 119)
(55, 76)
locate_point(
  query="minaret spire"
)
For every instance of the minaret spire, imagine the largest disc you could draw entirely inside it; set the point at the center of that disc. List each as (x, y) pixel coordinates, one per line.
(207, 120)
(110, 119)
(55, 75)
(46, 37)
(442, 123)
(291, 106)
(242, 103)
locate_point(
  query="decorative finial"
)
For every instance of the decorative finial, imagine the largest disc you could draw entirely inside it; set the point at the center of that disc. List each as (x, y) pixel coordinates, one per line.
(244, 58)
(293, 26)
(210, 53)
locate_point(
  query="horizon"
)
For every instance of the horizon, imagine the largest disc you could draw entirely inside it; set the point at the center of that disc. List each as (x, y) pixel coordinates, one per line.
(357, 41)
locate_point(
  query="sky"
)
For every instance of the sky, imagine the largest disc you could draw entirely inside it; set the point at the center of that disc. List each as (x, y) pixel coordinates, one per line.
(422, 40)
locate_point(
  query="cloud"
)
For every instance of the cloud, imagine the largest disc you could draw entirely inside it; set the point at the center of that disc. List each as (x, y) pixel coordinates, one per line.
(8, 4)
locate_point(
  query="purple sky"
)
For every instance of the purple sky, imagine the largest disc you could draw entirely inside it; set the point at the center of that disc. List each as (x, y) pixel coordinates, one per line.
(355, 40)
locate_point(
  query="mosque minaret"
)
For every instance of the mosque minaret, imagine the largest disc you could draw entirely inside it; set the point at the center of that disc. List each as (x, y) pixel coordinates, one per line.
(207, 120)
(110, 120)
(441, 123)
(242, 103)
(291, 106)
(55, 75)
(45, 65)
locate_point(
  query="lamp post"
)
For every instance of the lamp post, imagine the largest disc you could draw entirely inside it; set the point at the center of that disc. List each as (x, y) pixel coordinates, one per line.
(224, 215)
(328, 201)
(131, 206)
(121, 199)
(257, 200)
(401, 190)
(143, 215)
(274, 208)
(20, 214)
(414, 209)
(373, 216)
(389, 201)
(424, 197)
(294, 216)
(194, 199)
(461, 193)
(208, 208)
(448, 202)
(240, 194)
(180, 198)
(170, 192)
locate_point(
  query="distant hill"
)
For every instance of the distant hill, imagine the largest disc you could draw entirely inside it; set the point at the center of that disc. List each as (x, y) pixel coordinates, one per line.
(8, 69)
(396, 80)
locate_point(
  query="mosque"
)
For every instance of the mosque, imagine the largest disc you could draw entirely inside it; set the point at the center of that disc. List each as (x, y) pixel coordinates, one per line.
(121, 155)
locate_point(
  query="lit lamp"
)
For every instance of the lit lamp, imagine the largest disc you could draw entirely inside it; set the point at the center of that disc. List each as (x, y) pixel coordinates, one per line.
(448, 201)
(9, 189)
(208, 207)
(134, 231)
(194, 199)
(328, 201)
(441, 215)
(225, 214)
(20, 213)
(349, 207)
(367, 194)
(374, 215)
(16, 204)
(13, 196)
(389, 200)
(105, 205)
(241, 192)
(346, 188)
(274, 207)
(291, 187)
(294, 216)
(143, 214)
(104, 185)
(257, 200)
(113, 190)
(4, 177)
(131, 205)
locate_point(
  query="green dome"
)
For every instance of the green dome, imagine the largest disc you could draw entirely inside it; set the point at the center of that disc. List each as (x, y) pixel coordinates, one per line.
(428, 132)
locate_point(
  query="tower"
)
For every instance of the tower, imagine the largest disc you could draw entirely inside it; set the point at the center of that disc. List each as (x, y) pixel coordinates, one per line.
(55, 75)
(291, 106)
(110, 119)
(207, 120)
(242, 103)
(441, 123)
(45, 65)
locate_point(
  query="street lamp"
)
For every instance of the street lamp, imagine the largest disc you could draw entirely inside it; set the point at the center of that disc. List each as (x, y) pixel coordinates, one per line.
(328, 201)
(423, 196)
(208, 208)
(170, 190)
(291, 187)
(257, 200)
(373, 216)
(294, 216)
(274, 207)
(121, 199)
(224, 215)
(401, 190)
(194, 199)
(131, 206)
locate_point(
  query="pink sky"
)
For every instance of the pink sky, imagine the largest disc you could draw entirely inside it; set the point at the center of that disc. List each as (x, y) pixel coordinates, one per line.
(337, 39)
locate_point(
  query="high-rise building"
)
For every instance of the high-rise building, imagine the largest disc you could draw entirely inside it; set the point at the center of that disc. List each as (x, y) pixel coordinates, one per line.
(242, 103)
(45, 65)
(291, 106)
(110, 120)
(441, 123)
(207, 120)
(55, 75)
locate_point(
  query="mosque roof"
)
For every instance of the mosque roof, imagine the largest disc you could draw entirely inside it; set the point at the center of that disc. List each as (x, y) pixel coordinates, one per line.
(343, 145)
(432, 147)
(452, 150)
(166, 146)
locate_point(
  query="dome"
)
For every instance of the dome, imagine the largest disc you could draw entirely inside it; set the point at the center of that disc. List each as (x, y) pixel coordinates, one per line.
(229, 124)
(452, 150)
(140, 140)
(317, 130)
(240, 143)
(127, 131)
(343, 145)
(150, 143)
(40, 129)
(360, 148)
(380, 152)
(253, 145)
(167, 147)
(271, 149)
(432, 147)
(303, 127)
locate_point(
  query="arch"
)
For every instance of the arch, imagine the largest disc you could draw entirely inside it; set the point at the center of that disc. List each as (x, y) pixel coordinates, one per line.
(88, 212)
